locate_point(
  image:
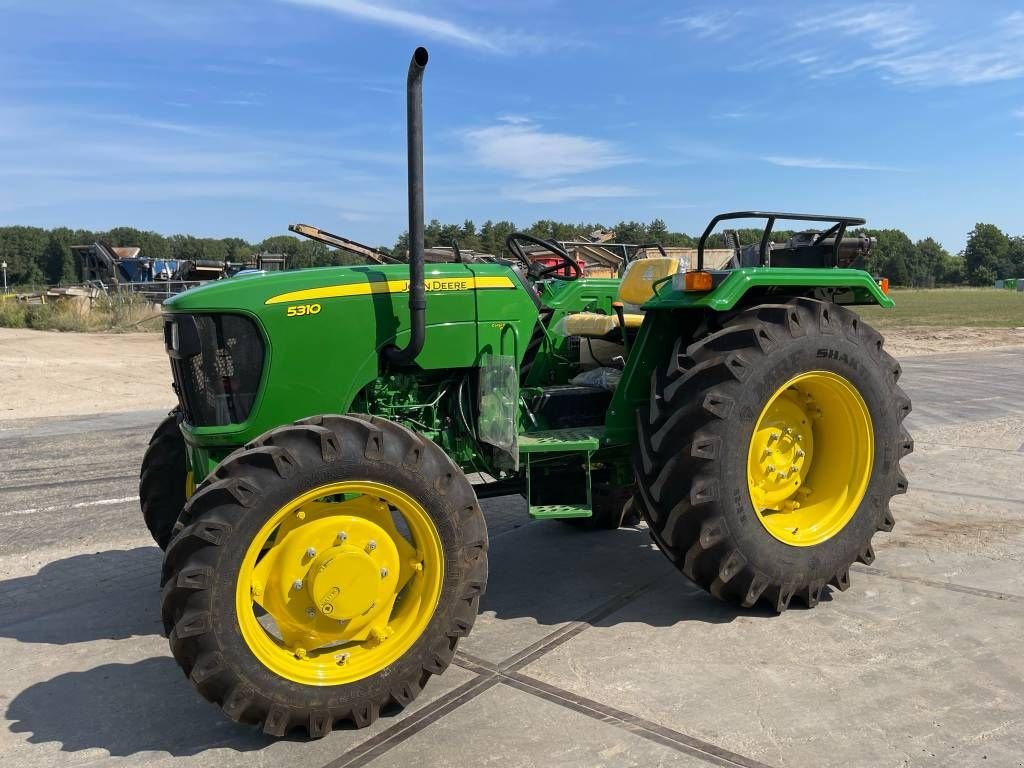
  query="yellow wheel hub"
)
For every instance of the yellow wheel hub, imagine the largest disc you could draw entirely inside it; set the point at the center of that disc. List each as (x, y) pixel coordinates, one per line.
(339, 583)
(810, 458)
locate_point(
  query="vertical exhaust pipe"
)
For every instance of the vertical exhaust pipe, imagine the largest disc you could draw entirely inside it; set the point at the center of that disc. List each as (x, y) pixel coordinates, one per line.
(417, 290)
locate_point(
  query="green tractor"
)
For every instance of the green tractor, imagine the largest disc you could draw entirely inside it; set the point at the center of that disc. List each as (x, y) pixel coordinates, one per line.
(325, 550)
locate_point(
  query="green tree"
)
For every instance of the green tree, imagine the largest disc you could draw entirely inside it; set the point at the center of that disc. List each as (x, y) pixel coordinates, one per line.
(57, 264)
(928, 256)
(630, 232)
(987, 254)
(892, 255)
(1015, 255)
(657, 232)
(951, 270)
(468, 238)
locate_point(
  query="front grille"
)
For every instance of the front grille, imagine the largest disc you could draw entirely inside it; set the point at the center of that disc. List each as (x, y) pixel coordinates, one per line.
(217, 362)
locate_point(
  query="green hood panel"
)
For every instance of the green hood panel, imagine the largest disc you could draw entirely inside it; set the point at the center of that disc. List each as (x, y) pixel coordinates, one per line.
(324, 329)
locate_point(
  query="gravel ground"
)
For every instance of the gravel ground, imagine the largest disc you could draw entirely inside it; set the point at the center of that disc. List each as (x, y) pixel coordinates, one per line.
(47, 373)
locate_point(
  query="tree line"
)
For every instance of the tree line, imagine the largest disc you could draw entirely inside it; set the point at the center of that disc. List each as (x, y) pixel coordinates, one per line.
(37, 256)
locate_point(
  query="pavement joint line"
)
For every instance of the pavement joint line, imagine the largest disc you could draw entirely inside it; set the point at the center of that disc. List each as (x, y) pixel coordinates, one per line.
(487, 676)
(61, 483)
(635, 724)
(981, 496)
(968, 447)
(391, 737)
(76, 505)
(567, 632)
(604, 713)
(952, 587)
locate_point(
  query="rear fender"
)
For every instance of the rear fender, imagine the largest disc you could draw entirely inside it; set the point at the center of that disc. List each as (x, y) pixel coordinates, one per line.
(672, 315)
(842, 286)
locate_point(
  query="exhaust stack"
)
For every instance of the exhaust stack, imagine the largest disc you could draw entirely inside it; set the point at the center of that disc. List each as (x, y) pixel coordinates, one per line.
(417, 291)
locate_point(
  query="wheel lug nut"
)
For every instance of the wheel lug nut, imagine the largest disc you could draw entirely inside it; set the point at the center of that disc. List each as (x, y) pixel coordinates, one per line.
(371, 545)
(793, 468)
(383, 573)
(774, 436)
(297, 584)
(799, 454)
(310, 552)
(342, 536)
(770, 468)
(311, 612)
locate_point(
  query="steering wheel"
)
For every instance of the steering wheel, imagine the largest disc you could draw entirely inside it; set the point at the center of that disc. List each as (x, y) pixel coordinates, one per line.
(537, 271)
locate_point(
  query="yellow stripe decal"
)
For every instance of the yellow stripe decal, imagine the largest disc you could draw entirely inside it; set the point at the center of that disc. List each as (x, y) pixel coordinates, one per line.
(392, 286)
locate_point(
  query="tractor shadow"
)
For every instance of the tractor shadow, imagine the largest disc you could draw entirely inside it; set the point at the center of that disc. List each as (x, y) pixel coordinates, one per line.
(143, 706)
(553, 573)
(109, 595)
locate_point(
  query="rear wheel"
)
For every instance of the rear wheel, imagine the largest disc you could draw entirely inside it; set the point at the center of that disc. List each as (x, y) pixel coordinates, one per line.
(324, 571)
(164, 480)
(770, 451)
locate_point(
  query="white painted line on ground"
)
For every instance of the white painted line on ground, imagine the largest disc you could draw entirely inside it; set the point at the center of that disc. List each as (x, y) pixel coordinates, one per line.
(77, 505)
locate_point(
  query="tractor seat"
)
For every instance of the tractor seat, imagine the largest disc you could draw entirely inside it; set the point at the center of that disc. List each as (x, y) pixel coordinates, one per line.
(636, 288)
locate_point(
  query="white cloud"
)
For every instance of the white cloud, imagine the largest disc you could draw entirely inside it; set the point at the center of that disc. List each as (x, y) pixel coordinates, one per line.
(564, 193)
(882, 27)
(421, 24)
(514, 119)
(820, 163)
(719, 25)
(524, 150)
(901, 44)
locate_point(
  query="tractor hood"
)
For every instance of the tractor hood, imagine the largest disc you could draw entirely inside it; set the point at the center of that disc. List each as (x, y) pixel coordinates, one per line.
(253, 290)
(318, 335)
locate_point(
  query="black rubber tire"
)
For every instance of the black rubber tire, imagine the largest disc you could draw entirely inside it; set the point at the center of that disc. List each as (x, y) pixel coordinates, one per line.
(162, 479)
(228, 510)
(692, 450)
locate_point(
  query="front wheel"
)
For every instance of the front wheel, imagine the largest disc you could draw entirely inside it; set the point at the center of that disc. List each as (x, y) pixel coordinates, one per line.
(165, 483)
(770, 451)
(323, 572)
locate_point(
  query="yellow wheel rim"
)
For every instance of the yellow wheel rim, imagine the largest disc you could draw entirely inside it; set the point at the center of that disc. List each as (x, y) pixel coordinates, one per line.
(339, 583)
(810, 458)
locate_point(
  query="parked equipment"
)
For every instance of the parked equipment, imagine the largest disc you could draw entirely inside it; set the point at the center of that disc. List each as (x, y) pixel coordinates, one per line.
(333, 552)
(337, 241)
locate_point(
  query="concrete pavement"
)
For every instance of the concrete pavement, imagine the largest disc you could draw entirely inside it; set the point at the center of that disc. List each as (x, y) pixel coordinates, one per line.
(590, 648)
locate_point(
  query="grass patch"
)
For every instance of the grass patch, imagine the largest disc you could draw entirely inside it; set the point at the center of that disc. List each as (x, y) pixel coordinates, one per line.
(116, 312)
(949, 308)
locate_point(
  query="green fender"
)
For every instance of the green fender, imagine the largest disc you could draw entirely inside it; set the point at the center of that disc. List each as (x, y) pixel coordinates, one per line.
(669, 310)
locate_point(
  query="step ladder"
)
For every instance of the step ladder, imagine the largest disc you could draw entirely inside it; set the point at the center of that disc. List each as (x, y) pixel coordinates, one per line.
(535, 446)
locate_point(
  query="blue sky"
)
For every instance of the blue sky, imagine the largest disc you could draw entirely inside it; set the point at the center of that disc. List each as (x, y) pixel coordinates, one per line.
(241, 116)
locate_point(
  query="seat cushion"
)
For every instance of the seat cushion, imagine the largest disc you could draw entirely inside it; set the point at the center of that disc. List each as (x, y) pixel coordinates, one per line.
(640, 276)
(595, 326)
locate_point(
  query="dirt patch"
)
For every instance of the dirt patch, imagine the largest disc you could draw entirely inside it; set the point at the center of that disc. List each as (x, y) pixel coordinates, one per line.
(912, 341)
(46, 373)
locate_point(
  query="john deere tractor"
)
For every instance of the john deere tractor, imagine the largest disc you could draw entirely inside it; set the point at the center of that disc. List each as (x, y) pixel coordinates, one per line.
(325, 550)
